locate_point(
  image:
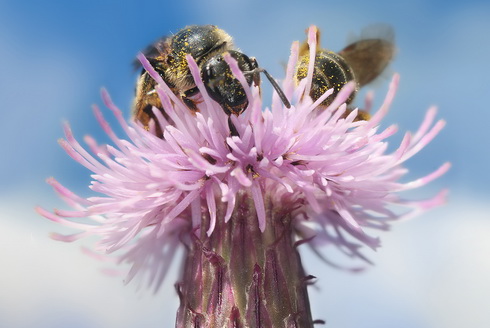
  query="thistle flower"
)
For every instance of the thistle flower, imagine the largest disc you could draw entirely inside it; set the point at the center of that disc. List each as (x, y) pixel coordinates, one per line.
(242, 203)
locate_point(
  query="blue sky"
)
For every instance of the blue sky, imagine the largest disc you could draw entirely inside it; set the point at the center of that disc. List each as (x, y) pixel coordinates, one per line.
(56, 55)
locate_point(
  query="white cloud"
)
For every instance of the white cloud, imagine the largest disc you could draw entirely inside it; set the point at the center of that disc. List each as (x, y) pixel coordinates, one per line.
(45, 283)
(431, 272)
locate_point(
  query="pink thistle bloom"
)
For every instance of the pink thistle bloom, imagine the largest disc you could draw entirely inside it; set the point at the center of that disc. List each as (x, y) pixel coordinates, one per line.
(332, 174)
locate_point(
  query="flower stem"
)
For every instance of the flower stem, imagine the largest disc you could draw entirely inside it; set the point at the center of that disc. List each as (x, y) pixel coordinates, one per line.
(242, 277)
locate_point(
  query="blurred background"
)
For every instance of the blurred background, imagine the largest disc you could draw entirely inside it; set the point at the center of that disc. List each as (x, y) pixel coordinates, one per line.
(432, 272)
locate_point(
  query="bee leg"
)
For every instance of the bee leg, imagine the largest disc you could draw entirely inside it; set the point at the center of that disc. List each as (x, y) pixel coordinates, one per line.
(189, 102)
(231, 126)
(149, 115)
(362, 115)
(255, 71)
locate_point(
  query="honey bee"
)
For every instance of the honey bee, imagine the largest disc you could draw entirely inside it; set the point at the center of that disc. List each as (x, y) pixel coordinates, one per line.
(361, 61)
(206, 44)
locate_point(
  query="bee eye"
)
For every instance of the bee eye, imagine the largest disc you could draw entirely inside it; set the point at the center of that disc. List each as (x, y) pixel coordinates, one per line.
(206, 45)
(221, 84)
(224, 88)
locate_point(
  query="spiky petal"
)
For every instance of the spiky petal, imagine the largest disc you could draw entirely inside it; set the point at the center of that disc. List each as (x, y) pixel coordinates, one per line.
(327, 174)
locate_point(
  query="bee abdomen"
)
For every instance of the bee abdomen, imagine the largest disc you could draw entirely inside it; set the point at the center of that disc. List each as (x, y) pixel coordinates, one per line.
(330, 71)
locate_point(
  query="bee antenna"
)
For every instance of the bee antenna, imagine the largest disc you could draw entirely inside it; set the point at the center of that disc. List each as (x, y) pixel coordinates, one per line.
(276, 86)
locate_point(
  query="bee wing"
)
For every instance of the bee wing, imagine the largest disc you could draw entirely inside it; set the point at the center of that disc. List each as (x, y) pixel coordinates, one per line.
(371, 53)
(155, 53)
